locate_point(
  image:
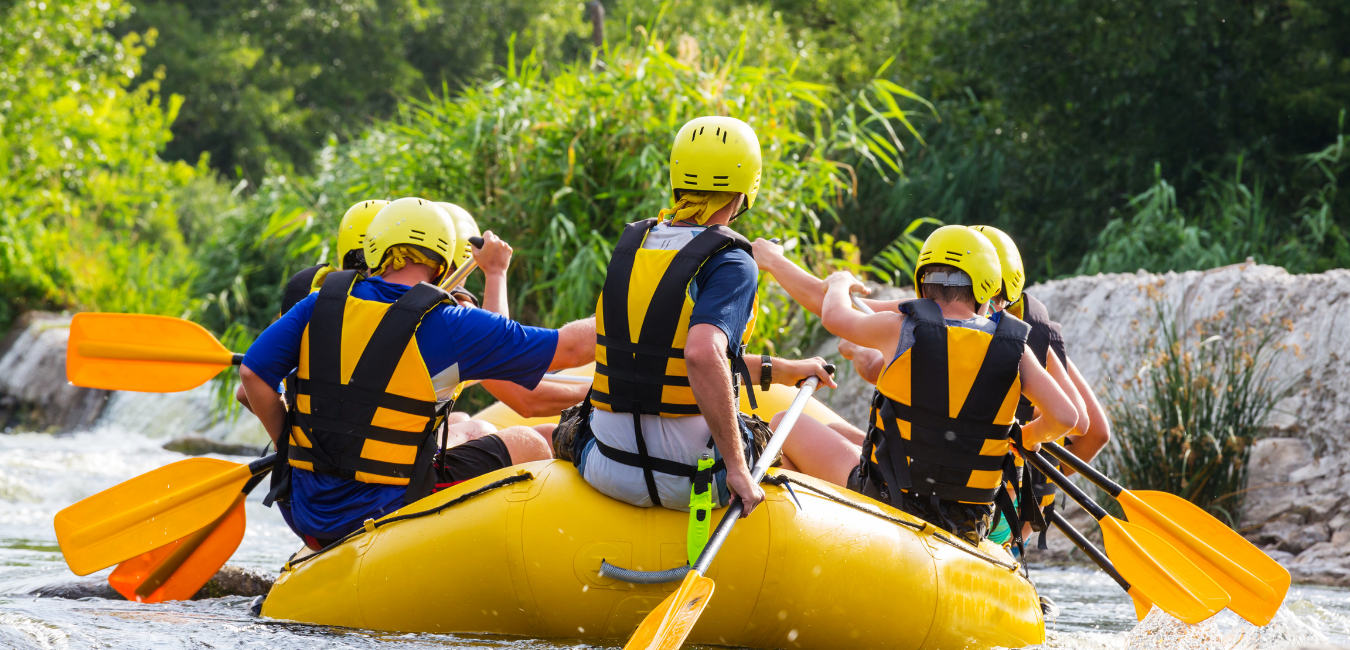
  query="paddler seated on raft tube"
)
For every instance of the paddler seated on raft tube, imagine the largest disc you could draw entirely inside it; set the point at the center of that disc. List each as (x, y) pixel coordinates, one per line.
(1090, 424)
(664, 401)
(950, 389)
(364, 359)
(548, 398)
(1093, 429)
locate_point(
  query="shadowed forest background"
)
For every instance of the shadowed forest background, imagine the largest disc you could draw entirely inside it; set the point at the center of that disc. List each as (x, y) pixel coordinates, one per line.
(185, 157)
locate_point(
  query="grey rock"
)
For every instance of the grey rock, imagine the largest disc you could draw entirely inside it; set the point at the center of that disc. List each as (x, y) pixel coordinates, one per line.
(201, 445)
(229, 581)
(34, 393)
(237, 581)
(1306, 537)
(78, 589)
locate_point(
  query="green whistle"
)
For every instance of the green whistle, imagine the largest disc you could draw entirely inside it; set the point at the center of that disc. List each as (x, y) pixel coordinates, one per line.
(700, 509)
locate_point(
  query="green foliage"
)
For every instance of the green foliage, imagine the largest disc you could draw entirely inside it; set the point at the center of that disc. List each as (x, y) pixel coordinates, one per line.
(1234, 221)
(1082, 99)
(558, 163)
(265, 82)
(1184, 422)
(87, 209)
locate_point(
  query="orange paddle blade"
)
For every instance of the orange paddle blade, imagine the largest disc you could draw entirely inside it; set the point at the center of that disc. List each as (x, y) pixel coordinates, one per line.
(1256, 583)
(147, 512)
(1161, 573)
(180, 569)
(141, 352)
(1142, 605)
(669, 624)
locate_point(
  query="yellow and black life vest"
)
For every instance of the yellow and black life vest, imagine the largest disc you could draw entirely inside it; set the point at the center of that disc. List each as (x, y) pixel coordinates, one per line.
(1046, 336)
(642, 325)
(298, 287)
(642, 322)
(943, 411)
(361, 403)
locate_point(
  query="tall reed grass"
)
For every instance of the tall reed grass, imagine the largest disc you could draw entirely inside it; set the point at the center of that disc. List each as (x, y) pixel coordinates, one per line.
(557, 163)
(1184, 421)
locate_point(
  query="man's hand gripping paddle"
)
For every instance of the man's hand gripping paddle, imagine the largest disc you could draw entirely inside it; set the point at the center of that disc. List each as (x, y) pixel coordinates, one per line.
(1255, 582)
(1159, 572)
(667, 626)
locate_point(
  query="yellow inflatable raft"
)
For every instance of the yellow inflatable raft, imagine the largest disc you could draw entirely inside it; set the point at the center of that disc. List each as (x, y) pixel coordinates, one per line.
(518, 552)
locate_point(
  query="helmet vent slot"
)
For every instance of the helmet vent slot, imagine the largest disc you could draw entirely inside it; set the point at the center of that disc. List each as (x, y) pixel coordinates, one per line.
(724, 137)
(719, 178)
(417, 231)
(696, 176)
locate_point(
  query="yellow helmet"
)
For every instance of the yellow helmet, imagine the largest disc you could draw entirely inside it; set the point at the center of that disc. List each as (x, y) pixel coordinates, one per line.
(967, 250)
(1010, 260)
(465, 227)
(352, 233)
(415, 222)
(716, 154)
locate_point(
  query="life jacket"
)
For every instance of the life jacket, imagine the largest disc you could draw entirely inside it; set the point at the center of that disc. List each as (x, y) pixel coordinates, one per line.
(943, 411)
(361, 404)
(299, 287)
(642, 325)
(1046, 336)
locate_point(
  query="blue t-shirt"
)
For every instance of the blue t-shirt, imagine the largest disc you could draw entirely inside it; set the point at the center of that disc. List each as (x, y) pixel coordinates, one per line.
(457, 344)
(723, 292)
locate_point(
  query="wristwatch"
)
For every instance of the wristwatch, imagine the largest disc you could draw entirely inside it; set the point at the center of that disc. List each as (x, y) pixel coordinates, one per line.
(765, 371)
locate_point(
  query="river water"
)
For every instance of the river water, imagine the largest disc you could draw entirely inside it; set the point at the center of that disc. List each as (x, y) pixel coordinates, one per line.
(40, 474)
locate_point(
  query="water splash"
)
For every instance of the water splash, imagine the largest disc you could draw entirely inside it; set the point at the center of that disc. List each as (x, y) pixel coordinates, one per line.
(1159, 631)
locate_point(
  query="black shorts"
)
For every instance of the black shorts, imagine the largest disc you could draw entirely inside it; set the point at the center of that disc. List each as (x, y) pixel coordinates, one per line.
(471, 460)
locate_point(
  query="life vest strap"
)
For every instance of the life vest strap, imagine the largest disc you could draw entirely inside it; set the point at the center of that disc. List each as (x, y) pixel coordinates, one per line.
(659, 465)
(347, 465)
(342, 427)
(355, 394)
(611, 343)
(641, 378)
(647, 407)
(935, 422)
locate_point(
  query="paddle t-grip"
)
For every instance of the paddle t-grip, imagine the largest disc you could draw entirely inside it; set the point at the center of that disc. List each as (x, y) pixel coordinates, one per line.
(1076, 493)
(476, 242)
(1089, 472)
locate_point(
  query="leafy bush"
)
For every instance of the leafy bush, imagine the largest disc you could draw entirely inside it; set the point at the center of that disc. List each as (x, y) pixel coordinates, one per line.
(88, 211)
(1184, 422)
(1235, 220)
(557, 164)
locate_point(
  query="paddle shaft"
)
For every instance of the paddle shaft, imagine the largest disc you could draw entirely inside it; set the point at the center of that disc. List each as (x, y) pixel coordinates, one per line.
(463, 271)
(1089, 472)
(1077, 494)
(761, 468)
(1088, 548)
